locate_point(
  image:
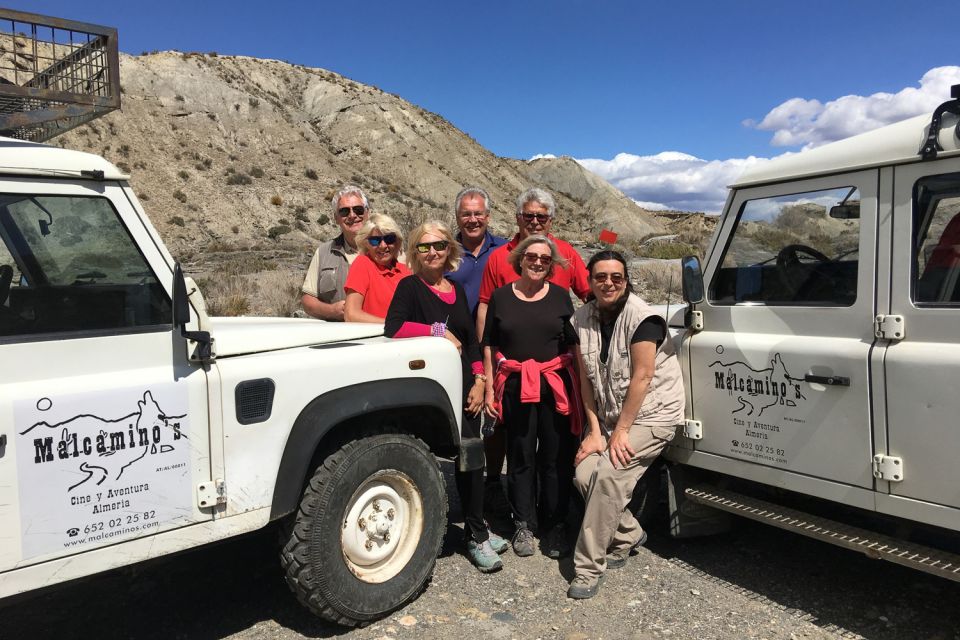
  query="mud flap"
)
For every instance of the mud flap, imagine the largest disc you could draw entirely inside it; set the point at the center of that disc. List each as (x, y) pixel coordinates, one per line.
(687, 518)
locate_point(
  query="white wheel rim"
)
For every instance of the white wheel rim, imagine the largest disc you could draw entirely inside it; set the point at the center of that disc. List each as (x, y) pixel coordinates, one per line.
(382, 526)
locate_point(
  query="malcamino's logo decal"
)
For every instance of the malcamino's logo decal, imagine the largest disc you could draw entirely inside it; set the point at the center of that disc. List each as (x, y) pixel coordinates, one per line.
(763, 388)
(103, 466)
(116, 446)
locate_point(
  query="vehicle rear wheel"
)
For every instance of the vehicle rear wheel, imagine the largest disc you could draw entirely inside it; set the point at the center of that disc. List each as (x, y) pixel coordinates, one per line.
(366, 537)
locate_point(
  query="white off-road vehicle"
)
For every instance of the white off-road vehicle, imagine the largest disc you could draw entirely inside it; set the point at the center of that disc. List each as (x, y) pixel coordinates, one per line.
(133, 426)
(822, 344)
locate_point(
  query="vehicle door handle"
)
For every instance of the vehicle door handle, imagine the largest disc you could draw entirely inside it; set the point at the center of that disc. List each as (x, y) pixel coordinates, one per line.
(839, 381)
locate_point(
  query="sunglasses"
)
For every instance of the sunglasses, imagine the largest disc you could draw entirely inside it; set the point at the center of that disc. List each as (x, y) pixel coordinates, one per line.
(357, 209)
(438, 246)
(389, 238)
(615, 278)
(533, 258)
(542, 218)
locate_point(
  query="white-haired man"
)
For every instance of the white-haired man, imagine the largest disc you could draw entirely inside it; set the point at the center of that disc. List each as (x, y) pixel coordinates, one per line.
(323, 295)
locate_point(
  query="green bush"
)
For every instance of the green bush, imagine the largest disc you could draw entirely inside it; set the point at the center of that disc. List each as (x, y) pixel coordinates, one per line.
(277, 231)
(324, 219)
(180, 195)
(312, 174)
(256, 172)
(239, 178)
(177, 220)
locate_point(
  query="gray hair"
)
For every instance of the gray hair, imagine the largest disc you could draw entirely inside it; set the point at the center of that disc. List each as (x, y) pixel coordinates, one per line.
(472, 191)
(347, 190)
(516, 255)
(536, 194)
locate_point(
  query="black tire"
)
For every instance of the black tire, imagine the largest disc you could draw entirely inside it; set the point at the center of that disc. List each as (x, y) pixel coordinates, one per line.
(324, 554)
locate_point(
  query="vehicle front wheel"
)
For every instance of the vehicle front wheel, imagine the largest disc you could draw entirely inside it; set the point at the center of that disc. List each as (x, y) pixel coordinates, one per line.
(366, 537)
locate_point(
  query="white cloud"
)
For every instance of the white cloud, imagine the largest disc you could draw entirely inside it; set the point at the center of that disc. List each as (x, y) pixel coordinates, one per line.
(542, 155)
(674, 180)
(671, 180)
(810, 123)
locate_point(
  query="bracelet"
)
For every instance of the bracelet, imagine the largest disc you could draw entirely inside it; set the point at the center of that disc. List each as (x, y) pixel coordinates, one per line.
(438, 329)
(479, 376)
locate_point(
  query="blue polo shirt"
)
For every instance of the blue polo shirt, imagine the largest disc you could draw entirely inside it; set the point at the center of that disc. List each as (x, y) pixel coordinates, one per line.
(470, 272)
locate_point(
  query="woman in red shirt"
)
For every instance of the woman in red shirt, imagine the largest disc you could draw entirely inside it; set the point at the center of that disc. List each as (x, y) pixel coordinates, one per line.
(376, 272)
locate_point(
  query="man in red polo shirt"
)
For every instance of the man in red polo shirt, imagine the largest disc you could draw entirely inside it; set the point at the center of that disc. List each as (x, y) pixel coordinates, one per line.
(535, 211)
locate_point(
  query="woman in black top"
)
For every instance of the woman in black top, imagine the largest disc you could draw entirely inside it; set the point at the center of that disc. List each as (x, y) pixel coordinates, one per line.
(426, 304)
(527, 340)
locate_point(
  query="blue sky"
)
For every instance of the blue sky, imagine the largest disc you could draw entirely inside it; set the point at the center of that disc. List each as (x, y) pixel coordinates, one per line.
(590, 79)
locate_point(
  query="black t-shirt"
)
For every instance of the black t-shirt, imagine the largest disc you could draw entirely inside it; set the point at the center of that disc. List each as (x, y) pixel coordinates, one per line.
(414, 301)
(530, 330)
(653, 329)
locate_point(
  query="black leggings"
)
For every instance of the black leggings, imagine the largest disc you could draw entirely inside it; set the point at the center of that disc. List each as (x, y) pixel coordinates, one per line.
(540, 448)
(470, 488)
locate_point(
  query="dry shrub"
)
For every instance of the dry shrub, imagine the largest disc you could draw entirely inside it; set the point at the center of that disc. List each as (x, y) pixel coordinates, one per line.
(279, 293)
(229, 298)
(655, 279)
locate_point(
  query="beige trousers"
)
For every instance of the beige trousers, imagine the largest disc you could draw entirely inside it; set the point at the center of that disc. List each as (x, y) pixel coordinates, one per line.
(608, 526)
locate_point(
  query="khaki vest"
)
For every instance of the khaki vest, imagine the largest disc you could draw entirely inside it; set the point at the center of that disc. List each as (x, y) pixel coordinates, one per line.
(664, 402)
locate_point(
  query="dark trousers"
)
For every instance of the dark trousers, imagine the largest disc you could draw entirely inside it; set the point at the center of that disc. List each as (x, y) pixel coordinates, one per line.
(470, 488)
(540, 448)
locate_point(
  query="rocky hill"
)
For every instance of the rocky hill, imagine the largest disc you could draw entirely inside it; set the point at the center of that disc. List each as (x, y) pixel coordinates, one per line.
(236, 158)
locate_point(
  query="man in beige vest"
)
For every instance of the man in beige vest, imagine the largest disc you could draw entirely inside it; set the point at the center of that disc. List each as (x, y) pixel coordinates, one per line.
(633, 398)
(323, 294)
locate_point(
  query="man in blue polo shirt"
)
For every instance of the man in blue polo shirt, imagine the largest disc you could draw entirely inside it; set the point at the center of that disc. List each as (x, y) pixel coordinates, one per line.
(472, 210)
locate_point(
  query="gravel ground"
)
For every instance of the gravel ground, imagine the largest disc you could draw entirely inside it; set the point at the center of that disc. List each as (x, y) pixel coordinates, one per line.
(755, 582)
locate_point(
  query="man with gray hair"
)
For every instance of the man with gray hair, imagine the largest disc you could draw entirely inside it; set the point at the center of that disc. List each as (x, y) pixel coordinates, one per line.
(535, 212)
(472, 212)
(323, 295)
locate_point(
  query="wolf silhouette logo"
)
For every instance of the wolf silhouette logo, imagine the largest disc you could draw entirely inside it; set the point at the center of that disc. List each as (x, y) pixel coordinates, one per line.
(756, 390)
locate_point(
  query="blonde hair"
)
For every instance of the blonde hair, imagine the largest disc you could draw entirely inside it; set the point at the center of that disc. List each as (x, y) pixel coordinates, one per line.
(517, 254)
(437, 228)
(380, 221)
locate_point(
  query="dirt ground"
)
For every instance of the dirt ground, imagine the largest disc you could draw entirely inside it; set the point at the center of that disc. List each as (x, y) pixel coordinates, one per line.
(755, 582)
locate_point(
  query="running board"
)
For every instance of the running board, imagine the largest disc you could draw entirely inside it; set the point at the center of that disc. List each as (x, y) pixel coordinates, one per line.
(873, 545)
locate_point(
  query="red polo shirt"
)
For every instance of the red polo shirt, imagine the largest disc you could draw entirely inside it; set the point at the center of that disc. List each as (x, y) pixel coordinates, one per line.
(499, 272)
(375, 283)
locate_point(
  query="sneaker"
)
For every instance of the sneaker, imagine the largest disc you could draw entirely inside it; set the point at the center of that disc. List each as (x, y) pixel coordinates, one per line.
(617, 559)
(583, 587)
(497, 543)
(523, 541)
(483, 556)
(557, 543)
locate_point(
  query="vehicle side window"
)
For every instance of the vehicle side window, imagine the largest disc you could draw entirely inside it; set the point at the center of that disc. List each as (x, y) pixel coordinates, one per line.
(936, 240)
(67, 264)
(798, 249)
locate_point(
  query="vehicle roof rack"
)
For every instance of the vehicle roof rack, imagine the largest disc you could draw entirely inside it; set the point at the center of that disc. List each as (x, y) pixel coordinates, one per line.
(930, 147)
(55, 74)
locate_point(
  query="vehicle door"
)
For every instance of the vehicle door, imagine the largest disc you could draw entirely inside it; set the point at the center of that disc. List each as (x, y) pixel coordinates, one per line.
(103, 419)
(779, 374)
(921, 370)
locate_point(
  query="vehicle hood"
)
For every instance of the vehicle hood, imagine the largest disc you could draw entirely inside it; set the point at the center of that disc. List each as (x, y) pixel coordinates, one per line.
(236, 336)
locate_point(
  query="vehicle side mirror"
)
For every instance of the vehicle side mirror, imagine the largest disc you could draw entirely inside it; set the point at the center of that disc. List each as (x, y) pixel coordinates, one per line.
(181, 303)
(845, 211)
(691, 279)
(202, 348)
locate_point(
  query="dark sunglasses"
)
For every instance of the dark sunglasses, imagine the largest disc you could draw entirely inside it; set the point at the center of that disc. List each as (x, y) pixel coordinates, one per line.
(542, 218)
(536, 257)
(389, 238)
(358, 210)
(615, 278)
(438, 246)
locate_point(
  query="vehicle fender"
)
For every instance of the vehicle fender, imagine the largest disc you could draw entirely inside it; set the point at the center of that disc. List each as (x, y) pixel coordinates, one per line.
(419, 406)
